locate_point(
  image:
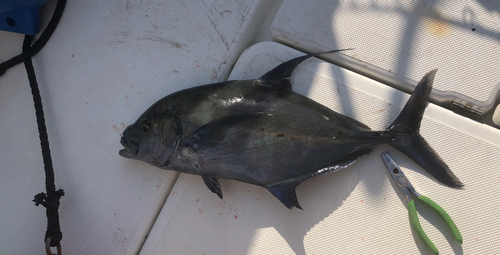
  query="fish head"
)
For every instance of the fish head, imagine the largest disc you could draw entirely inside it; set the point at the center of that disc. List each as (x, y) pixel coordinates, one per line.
(153, 138)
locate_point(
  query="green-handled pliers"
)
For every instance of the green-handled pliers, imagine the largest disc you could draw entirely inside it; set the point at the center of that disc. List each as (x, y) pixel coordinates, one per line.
(410, 192)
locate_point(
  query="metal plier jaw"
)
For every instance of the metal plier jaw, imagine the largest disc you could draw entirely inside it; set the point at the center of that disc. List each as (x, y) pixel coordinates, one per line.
(410, 192)
(400, 178)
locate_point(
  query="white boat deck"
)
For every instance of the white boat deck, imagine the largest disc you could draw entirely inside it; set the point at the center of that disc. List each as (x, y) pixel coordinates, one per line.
(108, 61)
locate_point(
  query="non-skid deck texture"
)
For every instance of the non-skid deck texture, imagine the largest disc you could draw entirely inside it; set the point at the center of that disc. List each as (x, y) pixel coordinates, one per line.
(106, 63)
(408, 38)
(356, 210)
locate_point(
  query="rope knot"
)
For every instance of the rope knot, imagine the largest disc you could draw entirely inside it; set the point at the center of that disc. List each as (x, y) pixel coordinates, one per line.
(53, 202)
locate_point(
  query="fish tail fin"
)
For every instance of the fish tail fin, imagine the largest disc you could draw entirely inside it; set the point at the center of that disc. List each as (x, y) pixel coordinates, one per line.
(407, 139)
(279, 76)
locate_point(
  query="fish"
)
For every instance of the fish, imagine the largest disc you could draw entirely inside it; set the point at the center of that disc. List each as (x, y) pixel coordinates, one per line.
(261, 132)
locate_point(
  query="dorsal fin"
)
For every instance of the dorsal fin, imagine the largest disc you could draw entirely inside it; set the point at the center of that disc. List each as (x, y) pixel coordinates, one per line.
(279, 76)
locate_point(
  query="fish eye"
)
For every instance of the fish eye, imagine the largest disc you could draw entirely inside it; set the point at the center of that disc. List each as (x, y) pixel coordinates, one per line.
(145, 125)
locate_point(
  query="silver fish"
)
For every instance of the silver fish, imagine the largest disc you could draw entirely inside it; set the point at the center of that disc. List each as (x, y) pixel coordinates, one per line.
(261, 132)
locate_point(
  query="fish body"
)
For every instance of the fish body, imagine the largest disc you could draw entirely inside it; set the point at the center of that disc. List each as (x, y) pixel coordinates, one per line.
(261, 132)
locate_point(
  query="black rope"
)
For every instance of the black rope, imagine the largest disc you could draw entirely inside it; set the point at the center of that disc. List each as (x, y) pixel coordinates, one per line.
(50, 200)
(38, 45)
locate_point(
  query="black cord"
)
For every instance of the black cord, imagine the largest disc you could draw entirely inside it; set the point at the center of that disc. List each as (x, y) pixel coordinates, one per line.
(50, 200)
(38, 45)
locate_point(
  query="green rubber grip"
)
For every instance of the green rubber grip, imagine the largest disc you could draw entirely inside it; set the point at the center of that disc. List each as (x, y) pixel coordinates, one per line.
(415, 224)
(446, 218)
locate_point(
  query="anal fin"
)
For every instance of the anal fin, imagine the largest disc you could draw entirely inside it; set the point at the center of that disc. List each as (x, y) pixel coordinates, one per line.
(212, 184)
(285, 192)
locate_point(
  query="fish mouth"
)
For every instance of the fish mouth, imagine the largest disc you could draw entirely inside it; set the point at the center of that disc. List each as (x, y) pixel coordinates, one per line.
(131, 148)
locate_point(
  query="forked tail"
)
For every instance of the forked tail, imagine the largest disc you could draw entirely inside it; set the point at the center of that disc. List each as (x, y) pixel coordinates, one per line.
(408, 140)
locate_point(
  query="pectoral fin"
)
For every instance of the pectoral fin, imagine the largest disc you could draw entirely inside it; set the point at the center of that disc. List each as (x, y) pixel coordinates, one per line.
(211, 134)
(213, 185)
(285, 192)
